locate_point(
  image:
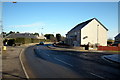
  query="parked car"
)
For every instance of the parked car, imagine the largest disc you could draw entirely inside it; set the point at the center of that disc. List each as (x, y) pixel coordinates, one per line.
(41, 43)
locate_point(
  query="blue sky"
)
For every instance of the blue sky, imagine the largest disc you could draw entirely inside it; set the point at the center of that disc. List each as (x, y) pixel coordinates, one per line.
(58, 17)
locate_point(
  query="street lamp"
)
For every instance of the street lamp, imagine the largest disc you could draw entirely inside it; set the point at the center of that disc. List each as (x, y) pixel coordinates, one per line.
(41, 31)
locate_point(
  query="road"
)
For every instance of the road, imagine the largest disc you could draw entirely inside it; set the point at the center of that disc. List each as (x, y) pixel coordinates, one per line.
(42, 62)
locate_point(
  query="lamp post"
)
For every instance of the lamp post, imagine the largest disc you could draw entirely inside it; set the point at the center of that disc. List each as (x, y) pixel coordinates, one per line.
(2, 47)
(41, 31)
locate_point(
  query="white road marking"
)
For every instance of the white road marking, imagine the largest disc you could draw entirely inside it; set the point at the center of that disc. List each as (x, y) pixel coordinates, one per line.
(97, 76)
(42, 52)
(47, 54)
(63, 62)
(23, 65)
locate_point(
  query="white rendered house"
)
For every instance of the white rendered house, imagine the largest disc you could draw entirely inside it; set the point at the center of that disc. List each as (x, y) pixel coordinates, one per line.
(91, 31)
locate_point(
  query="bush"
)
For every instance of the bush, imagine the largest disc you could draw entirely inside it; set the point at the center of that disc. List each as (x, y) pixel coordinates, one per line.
(23, 40)
(20, 40)
(30, 40)
(35, 40)
(11, 42)
(39, 40)
(27, 40)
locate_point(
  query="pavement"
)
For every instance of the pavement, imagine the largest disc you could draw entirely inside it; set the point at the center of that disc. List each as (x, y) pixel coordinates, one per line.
(0, 66)
(114, 58)
(11, 65)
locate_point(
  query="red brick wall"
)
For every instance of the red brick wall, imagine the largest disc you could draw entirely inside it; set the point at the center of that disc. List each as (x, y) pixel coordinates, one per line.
(109, 48)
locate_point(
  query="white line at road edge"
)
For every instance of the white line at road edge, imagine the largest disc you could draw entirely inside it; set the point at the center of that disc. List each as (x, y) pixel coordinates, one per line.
(22, 64)
(97, 76)
(63, 62)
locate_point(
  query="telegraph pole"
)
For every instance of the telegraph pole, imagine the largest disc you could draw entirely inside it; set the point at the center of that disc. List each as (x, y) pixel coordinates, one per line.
(1, 36)
(1, 26)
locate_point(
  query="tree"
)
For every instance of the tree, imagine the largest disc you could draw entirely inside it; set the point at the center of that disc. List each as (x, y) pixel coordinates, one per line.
(36, 34)
(58, 37)
(17, 32)
(52, 38)
(49, 36)
(62, 38)
(4, 34)
(10, 33)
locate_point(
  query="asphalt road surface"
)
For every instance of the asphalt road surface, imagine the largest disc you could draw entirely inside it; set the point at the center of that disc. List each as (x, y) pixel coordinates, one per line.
(42, 62)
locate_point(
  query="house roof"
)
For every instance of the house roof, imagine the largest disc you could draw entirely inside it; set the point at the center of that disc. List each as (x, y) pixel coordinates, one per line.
(118, 36)
(81, 25)
(23, 35)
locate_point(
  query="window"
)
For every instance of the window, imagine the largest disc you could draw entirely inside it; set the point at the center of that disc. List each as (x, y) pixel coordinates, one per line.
(75, 33)
(85, 37)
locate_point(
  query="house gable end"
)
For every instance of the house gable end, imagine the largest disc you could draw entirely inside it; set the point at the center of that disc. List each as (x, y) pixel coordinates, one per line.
(80, 26)
(101, 23)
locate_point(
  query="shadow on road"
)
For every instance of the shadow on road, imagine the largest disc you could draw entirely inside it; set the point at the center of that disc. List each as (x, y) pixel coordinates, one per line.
(15, 76)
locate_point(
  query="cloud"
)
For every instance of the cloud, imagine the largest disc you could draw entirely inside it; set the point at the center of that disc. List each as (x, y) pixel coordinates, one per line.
(37, 24)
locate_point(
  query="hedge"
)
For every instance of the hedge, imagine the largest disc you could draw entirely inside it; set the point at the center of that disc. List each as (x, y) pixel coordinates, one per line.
(23, 40)
(35, 40)
(29, 40)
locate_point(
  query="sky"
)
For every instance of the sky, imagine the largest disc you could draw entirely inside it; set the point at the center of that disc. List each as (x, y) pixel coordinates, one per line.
(61, 0)
(58, 17)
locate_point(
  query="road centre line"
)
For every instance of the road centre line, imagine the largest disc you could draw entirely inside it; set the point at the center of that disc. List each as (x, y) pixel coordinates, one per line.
(44, 53)
(63, 62)
(97, 76)
(47, 54)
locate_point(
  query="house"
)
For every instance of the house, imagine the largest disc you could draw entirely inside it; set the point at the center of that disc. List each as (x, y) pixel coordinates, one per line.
(89, 32)
(25, 35)
(117, 39)
(22, 38)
